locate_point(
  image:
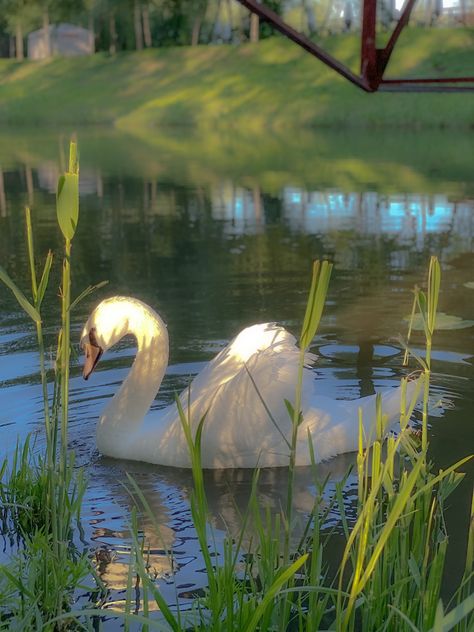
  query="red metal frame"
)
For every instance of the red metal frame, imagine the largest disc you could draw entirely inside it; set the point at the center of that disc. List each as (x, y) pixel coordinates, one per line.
(373, 60)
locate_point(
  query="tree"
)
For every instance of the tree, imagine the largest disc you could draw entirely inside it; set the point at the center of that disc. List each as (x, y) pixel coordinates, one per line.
(198, 9)
(308, 10)
(254, 27)
(137, 25)
(19, 15)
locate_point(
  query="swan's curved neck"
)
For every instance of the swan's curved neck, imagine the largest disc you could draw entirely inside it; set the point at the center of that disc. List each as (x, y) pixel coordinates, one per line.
(126, 411)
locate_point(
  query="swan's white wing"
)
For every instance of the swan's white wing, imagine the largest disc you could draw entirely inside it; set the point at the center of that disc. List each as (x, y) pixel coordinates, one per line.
(243, 392)
(242, 350)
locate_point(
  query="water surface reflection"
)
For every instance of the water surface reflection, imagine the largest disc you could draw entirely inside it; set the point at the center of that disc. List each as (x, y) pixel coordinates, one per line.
(218, 233)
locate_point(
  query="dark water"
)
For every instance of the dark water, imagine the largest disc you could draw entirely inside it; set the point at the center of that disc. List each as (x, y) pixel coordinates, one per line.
(218, 231)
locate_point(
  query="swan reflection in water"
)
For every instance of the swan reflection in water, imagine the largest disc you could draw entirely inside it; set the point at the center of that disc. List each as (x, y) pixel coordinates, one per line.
(170, 541)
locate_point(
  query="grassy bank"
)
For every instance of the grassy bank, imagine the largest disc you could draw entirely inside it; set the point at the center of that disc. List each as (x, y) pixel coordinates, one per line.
(272, 84)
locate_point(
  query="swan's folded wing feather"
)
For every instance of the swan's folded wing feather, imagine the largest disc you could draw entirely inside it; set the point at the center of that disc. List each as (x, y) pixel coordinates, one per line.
(247, 416)
(232, 359)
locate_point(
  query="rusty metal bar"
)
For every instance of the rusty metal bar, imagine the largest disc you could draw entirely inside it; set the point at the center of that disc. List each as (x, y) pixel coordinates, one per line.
(402, 86)
(373, 60)
(384, 54)
(427, 80)
(273, 18)
(368, 52)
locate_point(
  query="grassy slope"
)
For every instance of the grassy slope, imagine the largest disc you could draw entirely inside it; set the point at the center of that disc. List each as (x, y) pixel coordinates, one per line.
(273, 83)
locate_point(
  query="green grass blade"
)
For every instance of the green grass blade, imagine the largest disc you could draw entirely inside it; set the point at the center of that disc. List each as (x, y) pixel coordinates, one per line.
(316, 300)
(67, 204)
(404, 618)
(434, 281)
(272, 592)
(31, 253)
(73, 158)
(410, 326)
(86, 292)
(398, 507)
(20, 297)
(446, 622)
(442, 474)
(43, 284)
(470, 544)
(264, 404)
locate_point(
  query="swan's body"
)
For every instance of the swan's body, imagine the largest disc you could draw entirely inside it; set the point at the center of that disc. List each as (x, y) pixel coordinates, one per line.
(238, 430)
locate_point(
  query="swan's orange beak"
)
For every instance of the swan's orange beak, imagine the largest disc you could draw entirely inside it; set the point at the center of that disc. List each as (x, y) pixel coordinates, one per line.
(92, 354)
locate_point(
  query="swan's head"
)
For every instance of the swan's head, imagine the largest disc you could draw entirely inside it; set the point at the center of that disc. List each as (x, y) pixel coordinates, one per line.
(113, 319)
(108, 323)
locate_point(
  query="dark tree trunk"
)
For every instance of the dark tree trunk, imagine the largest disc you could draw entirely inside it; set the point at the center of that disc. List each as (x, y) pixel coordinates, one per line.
(231, 19)
(310, 17)
(112, 34)
(47, 33)
(19, 53)
(146, 25)
(196, 30)
(91, 28)
(137, 25)
(254, 27)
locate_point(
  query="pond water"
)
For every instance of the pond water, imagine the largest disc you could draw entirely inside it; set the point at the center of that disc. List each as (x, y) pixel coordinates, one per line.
(217, 230)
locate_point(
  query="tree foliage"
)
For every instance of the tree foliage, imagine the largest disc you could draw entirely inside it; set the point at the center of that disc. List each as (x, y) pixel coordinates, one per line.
(130, 24)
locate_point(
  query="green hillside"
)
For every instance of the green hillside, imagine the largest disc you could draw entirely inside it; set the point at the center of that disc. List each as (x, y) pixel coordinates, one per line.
(272, 84)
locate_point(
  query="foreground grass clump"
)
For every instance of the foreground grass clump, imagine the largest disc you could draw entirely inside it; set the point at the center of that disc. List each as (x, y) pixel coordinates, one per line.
(274, 84)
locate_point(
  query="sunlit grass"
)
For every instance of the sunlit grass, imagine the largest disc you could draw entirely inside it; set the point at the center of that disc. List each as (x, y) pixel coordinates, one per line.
(274, 84)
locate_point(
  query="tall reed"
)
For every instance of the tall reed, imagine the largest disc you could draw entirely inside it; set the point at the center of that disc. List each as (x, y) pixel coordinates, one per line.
(51, 484)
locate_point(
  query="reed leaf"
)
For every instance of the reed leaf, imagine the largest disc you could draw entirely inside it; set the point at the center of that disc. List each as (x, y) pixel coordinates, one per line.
(316, 300)
(272, 592)
(31, 253)
(85, 293)
(399, 505)
(434, 280)
(404, 618)
(470, 544)
(67, 204)
(67, 199)
(446, 622)
(43, 284)
(20, 297)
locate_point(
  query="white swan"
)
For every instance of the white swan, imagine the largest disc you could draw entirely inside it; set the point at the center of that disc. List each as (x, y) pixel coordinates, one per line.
(238, 430)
